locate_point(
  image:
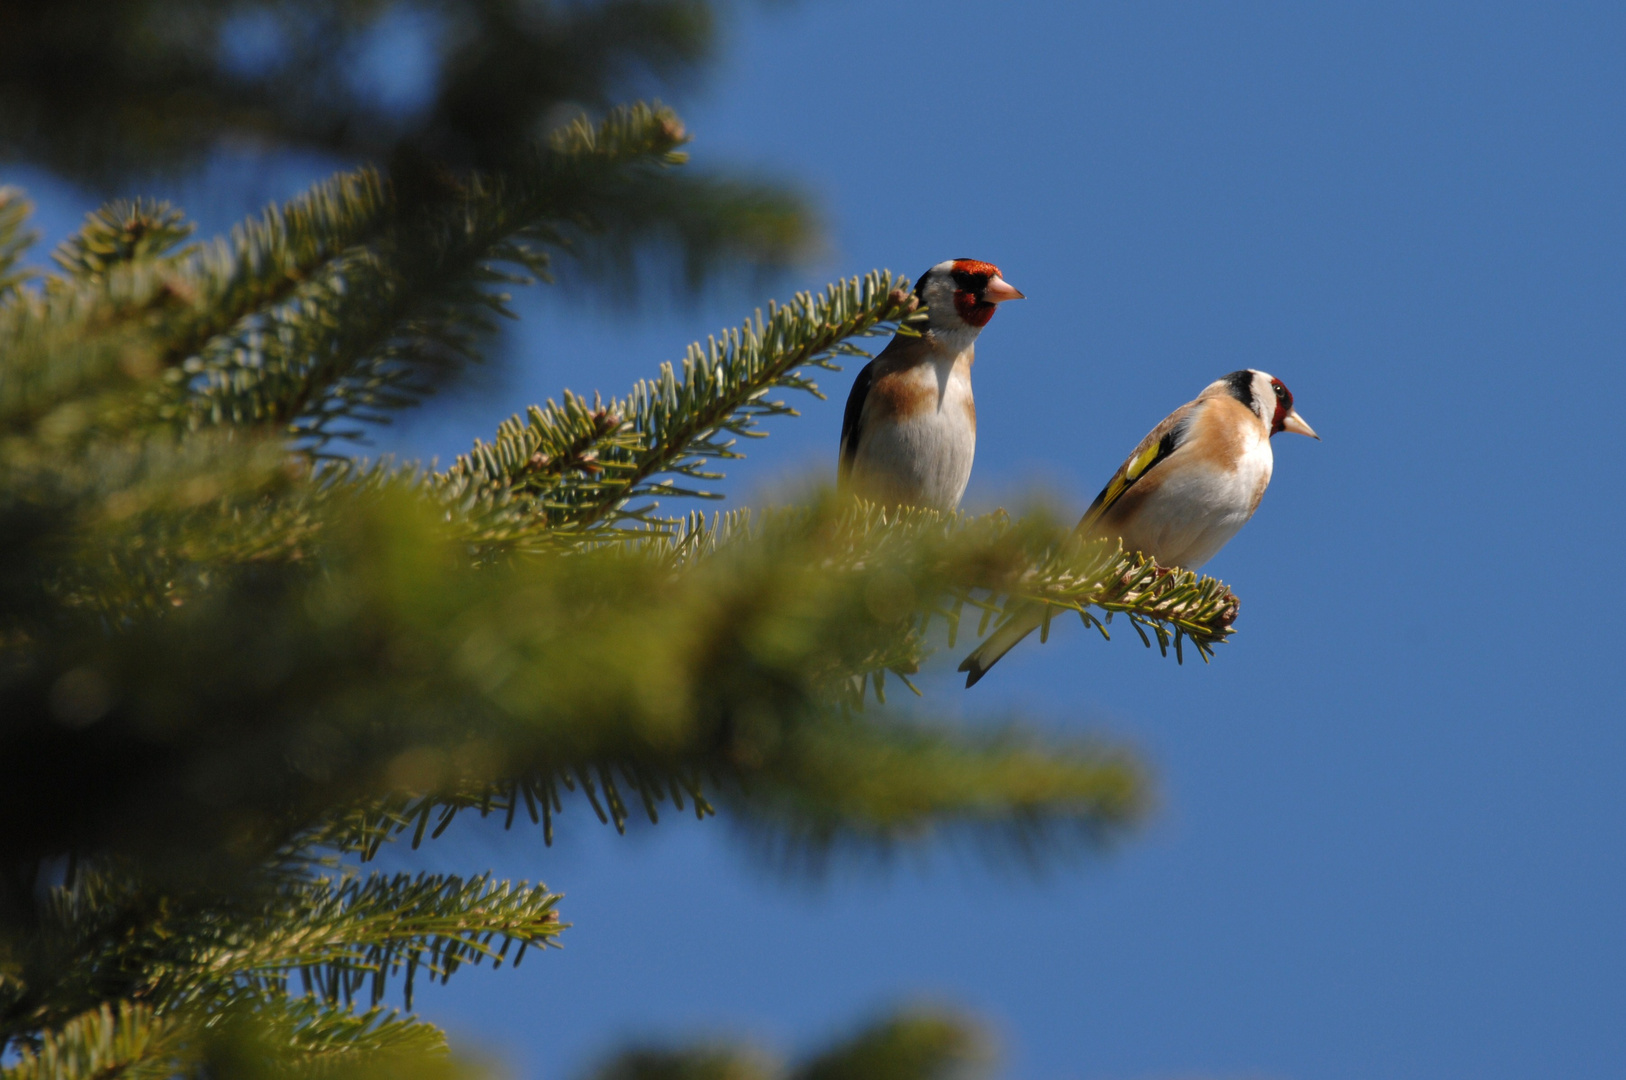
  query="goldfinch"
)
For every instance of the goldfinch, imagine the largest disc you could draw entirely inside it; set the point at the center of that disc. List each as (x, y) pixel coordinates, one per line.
(1189, 486)
(910, 427)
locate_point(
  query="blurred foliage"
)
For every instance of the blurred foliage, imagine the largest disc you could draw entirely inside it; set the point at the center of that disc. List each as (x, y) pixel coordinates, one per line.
(98, 88)
(434, 93)
(914, 1044)
(235, 662)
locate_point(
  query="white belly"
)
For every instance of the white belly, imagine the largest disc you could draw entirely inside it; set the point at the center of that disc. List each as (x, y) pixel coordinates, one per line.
(924, 459)
(1197, 511)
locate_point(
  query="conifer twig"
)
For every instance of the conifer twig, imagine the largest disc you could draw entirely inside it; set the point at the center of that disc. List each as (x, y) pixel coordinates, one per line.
(571, 467)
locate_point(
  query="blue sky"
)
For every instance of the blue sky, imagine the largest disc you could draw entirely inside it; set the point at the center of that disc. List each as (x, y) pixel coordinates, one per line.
(1392, 830)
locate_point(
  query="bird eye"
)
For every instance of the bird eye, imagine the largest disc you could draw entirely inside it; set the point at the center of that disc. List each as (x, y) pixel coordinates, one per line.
(1281, 391)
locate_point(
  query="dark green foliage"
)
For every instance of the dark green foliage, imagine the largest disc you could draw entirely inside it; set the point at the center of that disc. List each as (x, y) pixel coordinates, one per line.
(706, 1063)
(98, 87)
(229, 661)
(234, 665)
(275, 1037)
(126, 231)
(910, 1045)
(106, 90)
(15, 238)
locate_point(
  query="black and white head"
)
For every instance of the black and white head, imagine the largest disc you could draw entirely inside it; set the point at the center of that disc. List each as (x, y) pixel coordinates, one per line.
(1269, 399)
(963, 295)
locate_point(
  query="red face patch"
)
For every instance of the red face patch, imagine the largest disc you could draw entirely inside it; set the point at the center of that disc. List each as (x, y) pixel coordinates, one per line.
(971, 310)
(971, 276)
(1284, 405)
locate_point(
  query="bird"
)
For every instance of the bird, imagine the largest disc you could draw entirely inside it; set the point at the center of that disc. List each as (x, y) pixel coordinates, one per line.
(1189, 486)
(910, 427)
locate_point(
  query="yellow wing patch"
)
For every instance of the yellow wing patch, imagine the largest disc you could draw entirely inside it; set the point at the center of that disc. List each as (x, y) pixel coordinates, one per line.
(1154, 451)
(1142, 462)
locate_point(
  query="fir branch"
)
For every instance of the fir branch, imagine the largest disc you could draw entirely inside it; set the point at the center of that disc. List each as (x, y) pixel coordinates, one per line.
(417, 300)
(876, 784)
(125, 231)
(140, 317)
(614, 788)
(141, 523)
(265, 261)
(568, 467)
(66, 353)
(656, 665)
(15, 239)
(993, 564)
(343, 936)
(340, 934)
(299, 1037)
(120, 1040)
(310, 1036)
(837, 778)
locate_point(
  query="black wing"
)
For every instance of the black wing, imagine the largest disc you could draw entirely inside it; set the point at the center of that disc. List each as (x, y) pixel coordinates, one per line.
(1153, 450)
(850, 421)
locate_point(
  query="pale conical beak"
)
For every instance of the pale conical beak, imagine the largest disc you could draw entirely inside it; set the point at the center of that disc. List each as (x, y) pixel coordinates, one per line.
(1295, 423)
(999, 290)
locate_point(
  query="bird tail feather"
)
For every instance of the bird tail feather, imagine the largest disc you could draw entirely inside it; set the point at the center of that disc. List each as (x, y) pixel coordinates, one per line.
(1000, 642)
